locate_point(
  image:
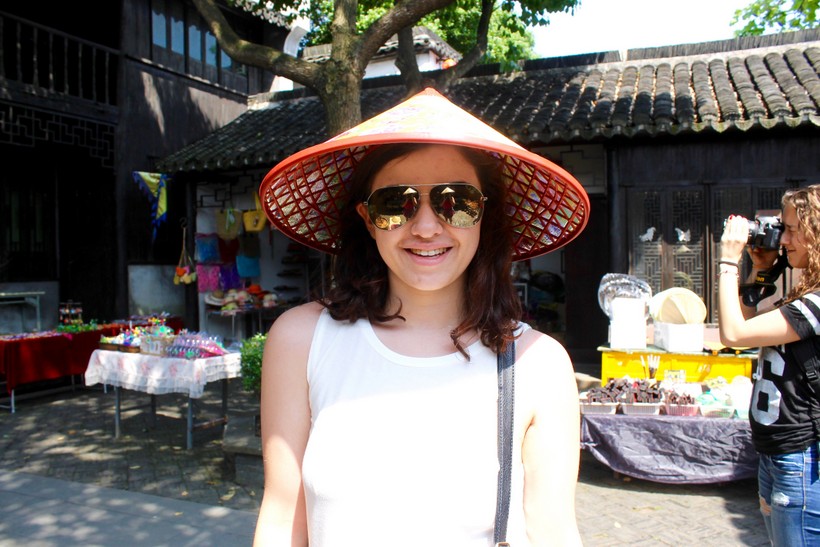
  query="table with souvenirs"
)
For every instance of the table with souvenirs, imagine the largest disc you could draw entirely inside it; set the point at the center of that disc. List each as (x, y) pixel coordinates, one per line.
(27, 358)
(164, 363)
(671, 430)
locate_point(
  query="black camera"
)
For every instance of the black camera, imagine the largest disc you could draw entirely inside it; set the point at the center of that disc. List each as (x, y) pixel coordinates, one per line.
(765, 233)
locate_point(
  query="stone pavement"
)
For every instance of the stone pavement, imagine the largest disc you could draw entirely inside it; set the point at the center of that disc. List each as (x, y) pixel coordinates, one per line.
(59, 463)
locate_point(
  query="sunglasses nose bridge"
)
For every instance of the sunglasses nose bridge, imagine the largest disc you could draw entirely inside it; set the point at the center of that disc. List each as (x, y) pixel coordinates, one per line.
(425, 220)
(420, 200)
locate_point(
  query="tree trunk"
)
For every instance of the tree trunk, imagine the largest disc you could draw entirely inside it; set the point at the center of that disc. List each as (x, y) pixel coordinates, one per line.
(341, 94)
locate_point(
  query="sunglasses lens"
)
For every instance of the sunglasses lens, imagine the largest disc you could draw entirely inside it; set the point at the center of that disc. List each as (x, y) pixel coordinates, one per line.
(392, 207)
(459, 205)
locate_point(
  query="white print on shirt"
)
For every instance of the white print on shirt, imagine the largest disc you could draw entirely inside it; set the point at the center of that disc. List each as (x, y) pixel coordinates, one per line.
(766, 397)
(807, 314)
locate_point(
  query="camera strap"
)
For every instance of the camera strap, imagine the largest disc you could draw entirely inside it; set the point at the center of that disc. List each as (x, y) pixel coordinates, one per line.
(763, 285)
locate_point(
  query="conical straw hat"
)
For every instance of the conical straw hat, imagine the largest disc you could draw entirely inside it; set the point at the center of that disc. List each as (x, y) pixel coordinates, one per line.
(304, 194)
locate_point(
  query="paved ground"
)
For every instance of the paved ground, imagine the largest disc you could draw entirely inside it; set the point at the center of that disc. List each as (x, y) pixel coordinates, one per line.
(61, 447)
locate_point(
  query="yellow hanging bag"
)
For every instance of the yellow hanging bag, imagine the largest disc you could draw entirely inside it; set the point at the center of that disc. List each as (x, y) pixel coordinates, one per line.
(255, 220)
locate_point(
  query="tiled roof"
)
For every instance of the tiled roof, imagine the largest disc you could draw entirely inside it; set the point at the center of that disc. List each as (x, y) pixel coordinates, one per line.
(736, 85)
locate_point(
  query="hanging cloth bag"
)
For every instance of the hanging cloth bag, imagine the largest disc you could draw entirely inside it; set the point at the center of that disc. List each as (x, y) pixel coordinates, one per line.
(228, 223)
(185, 271)
(255, 220)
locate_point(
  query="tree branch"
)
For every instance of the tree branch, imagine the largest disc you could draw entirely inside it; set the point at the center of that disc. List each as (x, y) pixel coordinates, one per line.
(405, 13)
(249, 53)
(447, 77)
(406, 61)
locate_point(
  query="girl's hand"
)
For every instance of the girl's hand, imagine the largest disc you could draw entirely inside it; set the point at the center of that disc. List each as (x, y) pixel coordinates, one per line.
(734, 238)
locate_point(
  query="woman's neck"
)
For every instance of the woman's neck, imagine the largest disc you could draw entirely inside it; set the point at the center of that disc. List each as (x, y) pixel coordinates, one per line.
(429, 319)
(428, 310)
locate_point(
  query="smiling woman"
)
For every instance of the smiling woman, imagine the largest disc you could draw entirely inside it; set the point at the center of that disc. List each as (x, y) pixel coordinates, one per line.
(379, 402)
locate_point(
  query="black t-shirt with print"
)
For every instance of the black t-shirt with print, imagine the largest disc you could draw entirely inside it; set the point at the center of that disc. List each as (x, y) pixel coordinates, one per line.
(784, 414)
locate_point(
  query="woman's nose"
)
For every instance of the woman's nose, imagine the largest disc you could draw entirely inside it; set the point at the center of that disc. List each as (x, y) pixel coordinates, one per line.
(425, 223)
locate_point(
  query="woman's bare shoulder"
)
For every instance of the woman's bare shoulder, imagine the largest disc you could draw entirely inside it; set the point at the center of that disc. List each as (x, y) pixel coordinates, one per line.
(540, 345)
(297, 323)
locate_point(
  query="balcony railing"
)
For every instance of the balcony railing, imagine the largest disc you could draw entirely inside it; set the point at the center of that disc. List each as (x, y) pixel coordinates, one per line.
(57, 63)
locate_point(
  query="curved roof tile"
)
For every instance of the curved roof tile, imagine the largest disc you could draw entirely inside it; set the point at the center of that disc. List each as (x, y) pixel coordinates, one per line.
(715, 87)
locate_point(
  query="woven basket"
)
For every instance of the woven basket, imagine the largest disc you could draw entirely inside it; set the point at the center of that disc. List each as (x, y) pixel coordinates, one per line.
(682, 410)
(598, 408)
(155, 345)
(641, 409)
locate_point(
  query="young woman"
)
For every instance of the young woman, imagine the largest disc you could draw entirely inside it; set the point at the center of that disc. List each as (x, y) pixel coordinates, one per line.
(379, 402)
(784, 410)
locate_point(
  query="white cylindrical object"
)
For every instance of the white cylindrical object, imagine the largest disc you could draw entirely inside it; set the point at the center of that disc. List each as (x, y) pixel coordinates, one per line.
(627, 329)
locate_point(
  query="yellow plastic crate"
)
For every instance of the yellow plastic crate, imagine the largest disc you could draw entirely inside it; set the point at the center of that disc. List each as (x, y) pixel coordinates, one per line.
(698, 366)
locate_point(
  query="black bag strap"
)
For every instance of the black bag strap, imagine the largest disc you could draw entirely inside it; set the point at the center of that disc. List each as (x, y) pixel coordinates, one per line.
(809, 362)
(506, 404)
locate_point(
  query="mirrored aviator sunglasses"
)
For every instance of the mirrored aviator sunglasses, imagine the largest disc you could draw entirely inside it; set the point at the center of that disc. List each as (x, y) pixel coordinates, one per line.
(459, 204)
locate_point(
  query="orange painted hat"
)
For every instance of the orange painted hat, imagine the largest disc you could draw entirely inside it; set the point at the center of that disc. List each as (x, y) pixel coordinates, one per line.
(304, 194)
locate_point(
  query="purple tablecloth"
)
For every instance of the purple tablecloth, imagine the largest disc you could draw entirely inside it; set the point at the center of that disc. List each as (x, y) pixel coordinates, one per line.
(671, 449)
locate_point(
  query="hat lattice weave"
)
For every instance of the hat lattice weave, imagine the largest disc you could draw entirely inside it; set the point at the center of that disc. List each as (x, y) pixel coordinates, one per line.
(304, 194)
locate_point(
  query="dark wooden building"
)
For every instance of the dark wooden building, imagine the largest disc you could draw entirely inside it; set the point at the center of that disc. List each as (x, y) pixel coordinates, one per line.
(668, 142)
(88, 95)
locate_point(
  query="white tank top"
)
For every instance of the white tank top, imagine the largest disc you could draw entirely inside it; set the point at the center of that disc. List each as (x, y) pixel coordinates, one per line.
(402, 450)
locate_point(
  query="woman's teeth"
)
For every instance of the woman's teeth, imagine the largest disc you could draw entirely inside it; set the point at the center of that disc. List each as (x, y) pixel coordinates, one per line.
(433, 252)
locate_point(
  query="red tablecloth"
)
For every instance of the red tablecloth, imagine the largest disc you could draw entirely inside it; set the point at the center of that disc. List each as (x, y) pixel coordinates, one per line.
(29, 360)
(55, 355)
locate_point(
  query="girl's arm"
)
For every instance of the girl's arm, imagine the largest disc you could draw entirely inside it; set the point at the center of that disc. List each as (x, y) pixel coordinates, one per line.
(551, 446)
(740, 325)
(285, 413)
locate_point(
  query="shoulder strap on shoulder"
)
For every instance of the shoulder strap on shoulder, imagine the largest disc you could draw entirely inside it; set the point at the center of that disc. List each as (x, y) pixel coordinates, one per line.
(506, 399)
(808, 360)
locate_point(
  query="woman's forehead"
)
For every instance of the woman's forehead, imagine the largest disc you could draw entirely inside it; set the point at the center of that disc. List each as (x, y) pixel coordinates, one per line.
(789, 215)
(428, 165)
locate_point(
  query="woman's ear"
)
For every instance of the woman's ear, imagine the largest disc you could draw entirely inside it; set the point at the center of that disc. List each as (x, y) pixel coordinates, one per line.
(361, 208)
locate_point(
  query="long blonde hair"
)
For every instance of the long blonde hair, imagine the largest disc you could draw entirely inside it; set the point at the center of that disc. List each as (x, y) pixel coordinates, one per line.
(806, 203)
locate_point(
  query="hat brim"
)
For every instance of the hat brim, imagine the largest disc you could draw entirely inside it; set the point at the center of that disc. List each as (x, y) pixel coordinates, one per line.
(304, 194)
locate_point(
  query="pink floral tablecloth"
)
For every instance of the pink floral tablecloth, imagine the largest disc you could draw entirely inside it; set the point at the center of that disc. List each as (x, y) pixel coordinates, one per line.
(159, 375)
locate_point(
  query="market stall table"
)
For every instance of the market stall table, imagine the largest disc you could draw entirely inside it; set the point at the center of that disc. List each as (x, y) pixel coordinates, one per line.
(698, 366)
(671, 449)
(36, 357)
(46, 356)
(157, 375)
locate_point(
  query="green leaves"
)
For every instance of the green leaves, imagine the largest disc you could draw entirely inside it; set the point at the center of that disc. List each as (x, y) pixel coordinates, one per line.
(251, 362)
(777, 15)
(509, 38)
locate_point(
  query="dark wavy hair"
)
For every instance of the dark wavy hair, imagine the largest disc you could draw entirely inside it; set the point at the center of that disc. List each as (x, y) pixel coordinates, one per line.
(360, 283)
(806, 203)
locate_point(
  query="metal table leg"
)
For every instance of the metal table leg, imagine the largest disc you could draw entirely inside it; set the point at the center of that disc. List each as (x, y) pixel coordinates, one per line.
(153, 410)
(189, 438)
(117, 412)
(225, 398)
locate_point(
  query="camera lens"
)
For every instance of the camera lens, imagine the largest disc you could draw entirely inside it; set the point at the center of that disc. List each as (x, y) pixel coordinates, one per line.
(765, 233)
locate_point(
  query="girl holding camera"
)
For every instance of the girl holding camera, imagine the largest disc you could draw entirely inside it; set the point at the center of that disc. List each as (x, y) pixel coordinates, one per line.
(785, 407)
